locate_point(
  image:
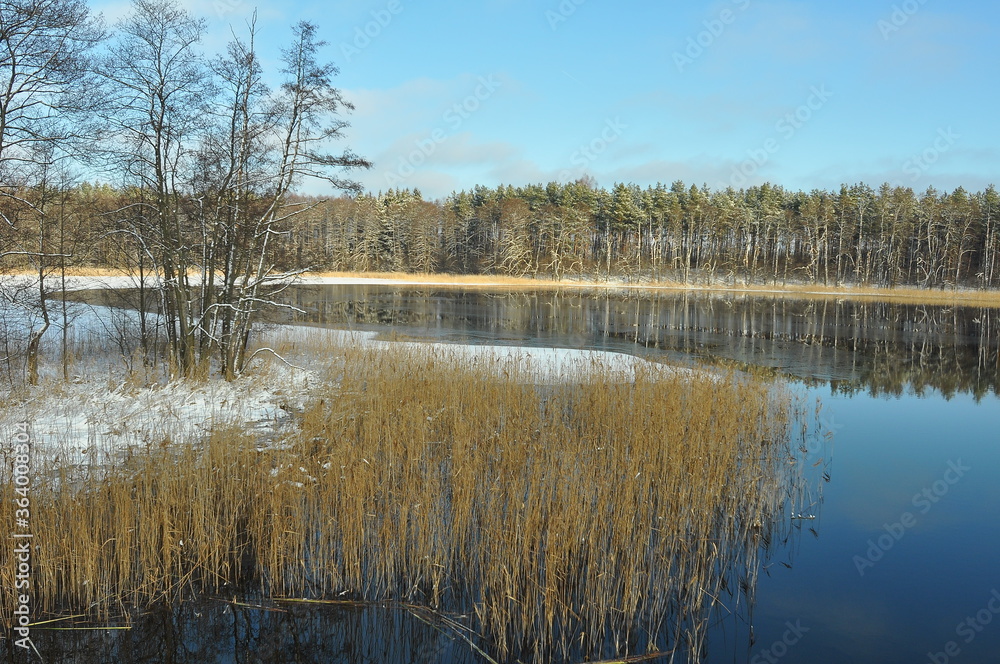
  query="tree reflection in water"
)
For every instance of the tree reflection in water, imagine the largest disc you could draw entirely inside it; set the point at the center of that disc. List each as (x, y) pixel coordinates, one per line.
(854, 345)
(207, 632)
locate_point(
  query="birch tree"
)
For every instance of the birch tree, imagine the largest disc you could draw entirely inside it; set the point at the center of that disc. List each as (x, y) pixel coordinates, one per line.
(47, 90)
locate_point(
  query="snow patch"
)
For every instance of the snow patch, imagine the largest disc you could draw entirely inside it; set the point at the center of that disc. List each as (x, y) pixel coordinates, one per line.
(94, 422)
(100, 417)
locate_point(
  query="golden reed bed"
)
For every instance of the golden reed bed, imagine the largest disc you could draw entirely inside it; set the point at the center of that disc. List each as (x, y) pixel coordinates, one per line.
(589, 516)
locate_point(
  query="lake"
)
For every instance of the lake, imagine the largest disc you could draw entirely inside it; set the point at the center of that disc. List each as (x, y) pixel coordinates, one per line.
(909, 532)
(900, 564)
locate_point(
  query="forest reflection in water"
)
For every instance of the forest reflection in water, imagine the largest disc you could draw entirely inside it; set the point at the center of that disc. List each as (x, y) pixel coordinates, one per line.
(851, 347)
(564, 522)
(222, 632)
(579, 547)
(881, 347)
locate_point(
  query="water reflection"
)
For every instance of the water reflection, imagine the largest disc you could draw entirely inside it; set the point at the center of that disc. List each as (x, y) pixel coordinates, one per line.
(888, 449)
(880, 347)
(223, 632)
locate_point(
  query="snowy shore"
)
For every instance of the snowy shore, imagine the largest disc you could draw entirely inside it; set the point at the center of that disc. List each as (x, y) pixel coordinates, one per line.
(103, 413)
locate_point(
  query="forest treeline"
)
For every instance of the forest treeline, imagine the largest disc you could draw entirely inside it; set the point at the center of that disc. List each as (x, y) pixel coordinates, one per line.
(206, 160)
(762, 234)
(888, 237)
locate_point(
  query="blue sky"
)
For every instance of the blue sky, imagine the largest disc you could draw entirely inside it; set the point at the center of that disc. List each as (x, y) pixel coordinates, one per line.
(737, 92)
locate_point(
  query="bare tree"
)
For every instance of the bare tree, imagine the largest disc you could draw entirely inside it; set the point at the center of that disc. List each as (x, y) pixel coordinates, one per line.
(271, 142)
(160, 92)
(215, 156)
(47, 90)
(47, 87)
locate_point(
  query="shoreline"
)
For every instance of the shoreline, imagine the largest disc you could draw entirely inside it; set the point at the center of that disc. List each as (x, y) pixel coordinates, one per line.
(95, 278)
(443, 280)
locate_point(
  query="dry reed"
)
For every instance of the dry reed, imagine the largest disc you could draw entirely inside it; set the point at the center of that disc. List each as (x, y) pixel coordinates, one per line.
(592, 516)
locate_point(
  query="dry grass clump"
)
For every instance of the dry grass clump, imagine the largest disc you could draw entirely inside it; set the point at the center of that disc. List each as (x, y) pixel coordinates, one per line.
(167, 520)
(571, 514)
(592, 516)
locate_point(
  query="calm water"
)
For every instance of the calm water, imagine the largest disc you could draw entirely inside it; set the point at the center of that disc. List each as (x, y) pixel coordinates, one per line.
(903, 566)
(879, 347)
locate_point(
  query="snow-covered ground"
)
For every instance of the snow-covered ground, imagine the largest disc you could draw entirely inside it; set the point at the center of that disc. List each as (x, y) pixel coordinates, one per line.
(123, 281)
(101, 413)
(98, 418)
(10, 282)
(533, 364)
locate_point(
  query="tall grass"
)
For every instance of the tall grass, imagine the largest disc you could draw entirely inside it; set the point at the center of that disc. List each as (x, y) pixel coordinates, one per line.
(598, 514)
